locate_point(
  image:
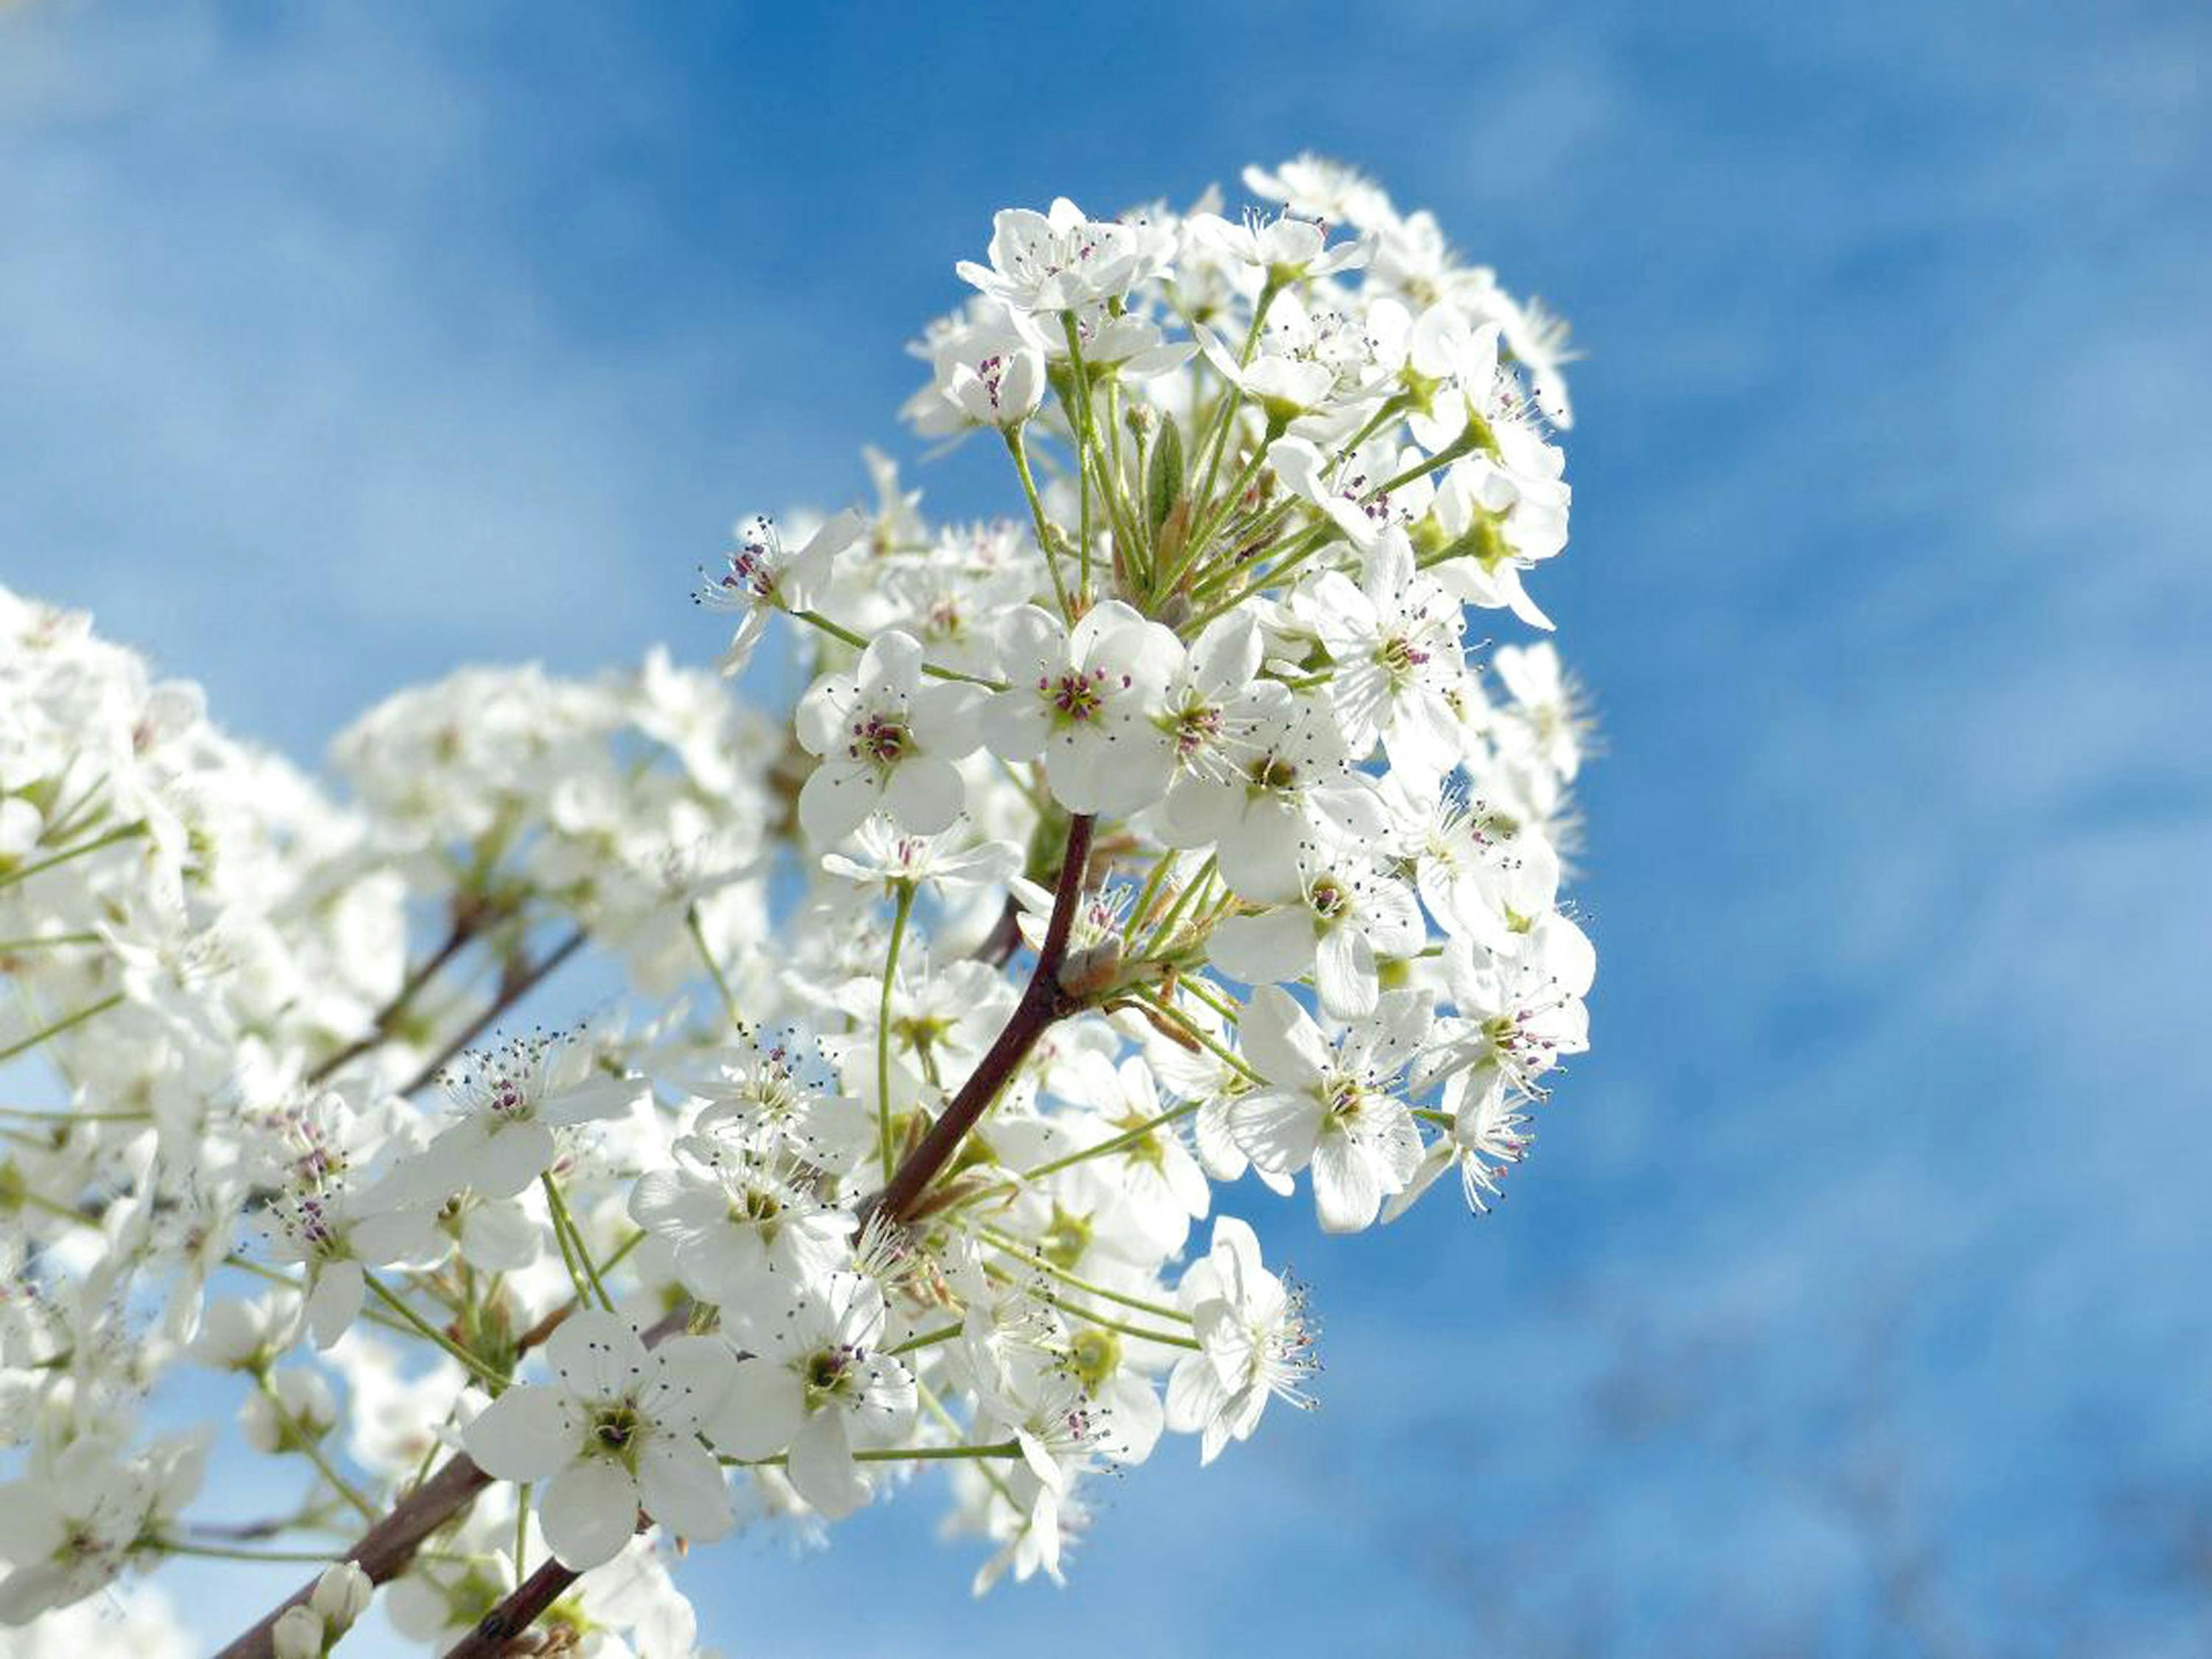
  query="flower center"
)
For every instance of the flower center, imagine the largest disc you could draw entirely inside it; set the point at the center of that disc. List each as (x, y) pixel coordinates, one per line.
(1075, 696)
(615, 1427)
(880, 738)
(1398, 656)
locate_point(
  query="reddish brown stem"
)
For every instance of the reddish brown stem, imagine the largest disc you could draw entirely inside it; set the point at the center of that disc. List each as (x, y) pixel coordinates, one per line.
(464, 929)
(1042, 1002)
(391, 1544)
(384, 1551)
(515, 1614)
(511, 991)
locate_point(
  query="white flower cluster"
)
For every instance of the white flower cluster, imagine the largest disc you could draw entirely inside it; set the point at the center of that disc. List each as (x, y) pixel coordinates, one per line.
(1165, 833)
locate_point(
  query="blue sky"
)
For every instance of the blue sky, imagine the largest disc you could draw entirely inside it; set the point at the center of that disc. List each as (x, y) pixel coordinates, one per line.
(1853, 1300)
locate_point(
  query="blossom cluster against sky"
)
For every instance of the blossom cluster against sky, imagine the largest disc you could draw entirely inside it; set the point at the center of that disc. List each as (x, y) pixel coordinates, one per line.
(1852, 1300)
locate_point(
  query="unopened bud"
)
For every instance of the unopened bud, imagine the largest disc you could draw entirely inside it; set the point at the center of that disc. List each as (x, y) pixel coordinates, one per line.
(342, 1596)
(298, 1634)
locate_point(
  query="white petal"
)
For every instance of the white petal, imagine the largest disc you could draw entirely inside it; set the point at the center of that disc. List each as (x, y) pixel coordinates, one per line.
(925, 794)
(1277, 1129)
(1014, 724)
(1344, 974)
(597, 1356)
(1347, 1190)
(1281, 1040)
(525, 1434)
(695, 1377)
(335, 1302)
(590, 1513)
(1264, 950)
(761, 1412)
(597, 1096)
(822, 1469)
(512, 1157)
(835, 796)
(683, 1489)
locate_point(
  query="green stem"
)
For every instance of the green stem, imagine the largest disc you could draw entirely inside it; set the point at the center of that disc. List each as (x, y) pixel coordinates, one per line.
(928, 1339)
(1233, 396)
(64, 1115)
(304, 1444)
(1190, 1028)
(894, 1455)
(1122, 1142)
(884, 1030)
(1007, 1245)
(858, 642)
(714, 968)
(122, 832)
(223, 1552)
(1218, 515)
(1018, 447)
(1090, 1316)
(41, 941)
(422, 1327)
(1166, 923)
(562, 1219)
(25, 1045)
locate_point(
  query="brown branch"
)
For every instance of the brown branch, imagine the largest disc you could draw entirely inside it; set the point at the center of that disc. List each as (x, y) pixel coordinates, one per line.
(512, 990)
(386, 1549)
(466, 927)
(1005, 938)
(391, 1544)
(515, 1614)
(1042, 1002)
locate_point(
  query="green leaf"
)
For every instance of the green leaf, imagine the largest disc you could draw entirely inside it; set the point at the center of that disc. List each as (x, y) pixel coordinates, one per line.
(1163, 475)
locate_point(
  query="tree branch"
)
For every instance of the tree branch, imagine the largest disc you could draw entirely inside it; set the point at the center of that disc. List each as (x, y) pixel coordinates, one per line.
(512, 990)
(1042, 1002)
(392, 1543)
(515, 1614)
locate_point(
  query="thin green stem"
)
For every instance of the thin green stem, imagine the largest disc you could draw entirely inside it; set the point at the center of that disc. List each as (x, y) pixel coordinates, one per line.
(1006, 1245)
(422, 1327)
(63, 1114)
(714, 969)
(894, 1454)
(25, 1045)
(228, 1553)
(1135, 1136)
(1192, 1030)
(884, 1030)
(1166, 923)
(42, 941)
(1232, 397)
(521, 1532)
(1218, 513)
(305, 1444)
(1018, 447)
(121, 832)
(1086, 440)
(860, 642)
(562, 1218)
(1091, 1316)
(928, 1339)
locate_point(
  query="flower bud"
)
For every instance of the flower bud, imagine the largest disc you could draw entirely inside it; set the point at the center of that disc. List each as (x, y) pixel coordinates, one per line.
(342, 1596)
(233, 1334)
(1002, 387)
(299, 1634)
(300, 1396)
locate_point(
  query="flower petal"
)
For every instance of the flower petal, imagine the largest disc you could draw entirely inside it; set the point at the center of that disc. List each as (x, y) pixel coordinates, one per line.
(525, 1434)
(590, 1513)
